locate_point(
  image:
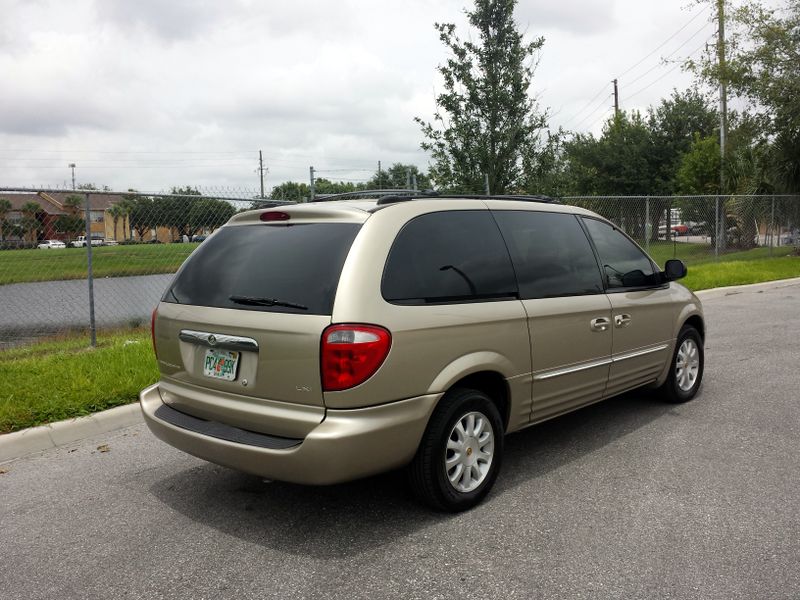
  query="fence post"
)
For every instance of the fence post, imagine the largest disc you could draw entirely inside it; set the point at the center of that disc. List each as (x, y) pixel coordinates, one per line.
(716, 227)
(647, 224)
(772, 226)
(90, 274)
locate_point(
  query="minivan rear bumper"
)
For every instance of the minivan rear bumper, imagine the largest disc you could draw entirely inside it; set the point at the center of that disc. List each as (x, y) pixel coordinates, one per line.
(347, 445)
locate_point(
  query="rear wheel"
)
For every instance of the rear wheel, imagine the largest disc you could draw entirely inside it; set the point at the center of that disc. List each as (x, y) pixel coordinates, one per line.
(460, 453)
(686, 370)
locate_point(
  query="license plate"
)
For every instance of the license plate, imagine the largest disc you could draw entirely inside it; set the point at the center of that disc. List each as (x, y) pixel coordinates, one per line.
(220, 364)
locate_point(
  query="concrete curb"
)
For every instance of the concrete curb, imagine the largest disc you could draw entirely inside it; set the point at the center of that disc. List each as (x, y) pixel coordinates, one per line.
(46, 437)
(750, 287)
(29, 441)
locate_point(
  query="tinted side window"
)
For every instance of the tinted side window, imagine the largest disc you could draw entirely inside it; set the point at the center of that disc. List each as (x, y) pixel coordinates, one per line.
(624, 263)
(551, 254)
(455, 256)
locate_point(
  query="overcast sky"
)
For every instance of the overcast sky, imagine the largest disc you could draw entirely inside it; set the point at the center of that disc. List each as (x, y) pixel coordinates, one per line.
(148, 94)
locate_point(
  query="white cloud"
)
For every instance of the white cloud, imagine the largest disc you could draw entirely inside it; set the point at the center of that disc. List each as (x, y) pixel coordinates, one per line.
(135, 92)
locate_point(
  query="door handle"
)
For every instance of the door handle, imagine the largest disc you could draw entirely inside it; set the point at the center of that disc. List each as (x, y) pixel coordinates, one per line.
(622, 320)
(599, 324)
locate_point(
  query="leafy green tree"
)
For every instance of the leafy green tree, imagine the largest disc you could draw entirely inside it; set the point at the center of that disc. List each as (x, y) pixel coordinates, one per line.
(289, 190)
(72, 225)
(399, 176)
(173, 212)
(208, 213)
(143, 216)
(486, 121)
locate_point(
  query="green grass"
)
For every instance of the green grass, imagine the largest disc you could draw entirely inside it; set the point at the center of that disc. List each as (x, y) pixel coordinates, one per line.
(740, 272)
(733, 268)
(19, 266)
(60, 379)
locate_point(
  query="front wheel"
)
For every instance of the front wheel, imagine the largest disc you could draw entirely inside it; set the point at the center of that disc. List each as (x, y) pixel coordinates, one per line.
(460, 453)
(686, 370)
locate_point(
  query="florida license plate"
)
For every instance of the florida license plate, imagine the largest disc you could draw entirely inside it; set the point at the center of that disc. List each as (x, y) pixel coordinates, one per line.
(220, 364)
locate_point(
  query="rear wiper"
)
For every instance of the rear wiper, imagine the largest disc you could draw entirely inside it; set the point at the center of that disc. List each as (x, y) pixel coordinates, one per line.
(258, 301)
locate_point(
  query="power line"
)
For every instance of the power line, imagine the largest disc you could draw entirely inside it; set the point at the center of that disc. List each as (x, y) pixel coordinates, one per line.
(663, 75)
(595, 97)
(662, 44)
(671, 54)
(594, 111)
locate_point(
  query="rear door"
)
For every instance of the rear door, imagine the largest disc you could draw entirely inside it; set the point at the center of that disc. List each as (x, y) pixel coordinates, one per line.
(569, 316)
(239, 328)
(643, 311)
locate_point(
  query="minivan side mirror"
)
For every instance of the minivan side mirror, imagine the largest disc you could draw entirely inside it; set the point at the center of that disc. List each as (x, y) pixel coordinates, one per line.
(674, 269)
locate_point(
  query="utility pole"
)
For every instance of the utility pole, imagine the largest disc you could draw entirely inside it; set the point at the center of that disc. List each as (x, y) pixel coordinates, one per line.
(311, 179)
(408, 179)
(380, 176)
(72, 166)
(414, 181)
(261, 171)
(616, 98)
(723, 117)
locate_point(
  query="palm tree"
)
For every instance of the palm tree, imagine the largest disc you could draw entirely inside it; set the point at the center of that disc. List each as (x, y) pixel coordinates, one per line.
(72, 204)
(116, 212)
(5, 208)
(30, 224)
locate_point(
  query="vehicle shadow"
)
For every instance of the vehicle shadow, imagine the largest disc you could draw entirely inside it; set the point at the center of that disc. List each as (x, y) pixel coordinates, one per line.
(362, 516)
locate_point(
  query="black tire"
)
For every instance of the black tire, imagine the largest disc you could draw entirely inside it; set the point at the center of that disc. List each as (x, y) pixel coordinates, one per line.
(428, 474)
(674, 390)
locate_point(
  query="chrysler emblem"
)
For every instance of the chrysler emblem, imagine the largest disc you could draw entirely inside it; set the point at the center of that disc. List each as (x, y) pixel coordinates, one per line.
(212, 339)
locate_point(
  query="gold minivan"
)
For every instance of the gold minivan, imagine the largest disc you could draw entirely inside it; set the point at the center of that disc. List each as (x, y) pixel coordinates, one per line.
(322, 342)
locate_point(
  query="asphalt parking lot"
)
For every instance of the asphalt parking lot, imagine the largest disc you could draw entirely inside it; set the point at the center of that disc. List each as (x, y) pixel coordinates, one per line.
(629, 498)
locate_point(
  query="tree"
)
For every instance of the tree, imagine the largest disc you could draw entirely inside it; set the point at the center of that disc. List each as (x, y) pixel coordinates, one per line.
(399, 176)
(208, 213)
(289, 190)
(763, 68)
(142, 215)
(72, 225)
(116, 212)
(73, 204)
(486, 121)
(30, 221)
(173, 211)
(5, 208)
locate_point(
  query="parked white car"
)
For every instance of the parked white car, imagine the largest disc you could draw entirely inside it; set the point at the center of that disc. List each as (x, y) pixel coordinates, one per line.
(51, 245)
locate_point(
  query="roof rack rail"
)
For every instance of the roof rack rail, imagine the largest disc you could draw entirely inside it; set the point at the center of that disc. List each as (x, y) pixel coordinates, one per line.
(365, 193)
(392, 199)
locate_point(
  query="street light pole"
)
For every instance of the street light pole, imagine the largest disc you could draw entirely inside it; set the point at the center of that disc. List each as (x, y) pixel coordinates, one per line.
(72, 166)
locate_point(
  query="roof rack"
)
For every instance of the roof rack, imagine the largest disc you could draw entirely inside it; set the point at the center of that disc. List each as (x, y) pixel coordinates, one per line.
(392, 199)
(368, 193)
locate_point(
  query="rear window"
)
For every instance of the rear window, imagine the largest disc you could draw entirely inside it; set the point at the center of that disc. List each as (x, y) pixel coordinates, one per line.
(296, 264)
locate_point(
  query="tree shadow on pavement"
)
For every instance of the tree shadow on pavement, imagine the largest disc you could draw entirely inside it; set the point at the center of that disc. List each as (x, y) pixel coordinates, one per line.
(365, 515)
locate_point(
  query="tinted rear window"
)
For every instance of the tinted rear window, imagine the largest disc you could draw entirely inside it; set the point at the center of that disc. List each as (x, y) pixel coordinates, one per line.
(298, 263)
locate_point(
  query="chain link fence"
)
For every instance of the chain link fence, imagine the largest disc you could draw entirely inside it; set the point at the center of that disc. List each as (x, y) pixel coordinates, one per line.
(75, 260)
(83, 260)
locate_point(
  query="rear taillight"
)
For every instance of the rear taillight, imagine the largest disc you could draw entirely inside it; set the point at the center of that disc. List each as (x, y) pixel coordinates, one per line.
(153, 330)
(351, 354)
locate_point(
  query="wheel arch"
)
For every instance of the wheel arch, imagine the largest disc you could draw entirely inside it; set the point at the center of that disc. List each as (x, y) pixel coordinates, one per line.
(494, 385)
